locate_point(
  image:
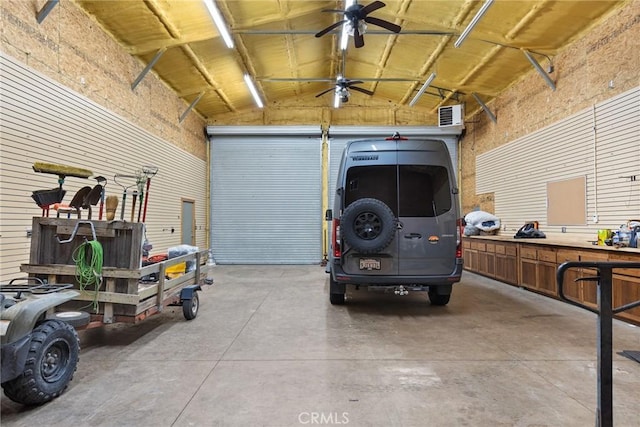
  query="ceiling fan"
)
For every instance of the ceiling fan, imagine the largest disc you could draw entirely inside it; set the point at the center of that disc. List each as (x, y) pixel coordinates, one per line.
(356, 17)
(342, 89)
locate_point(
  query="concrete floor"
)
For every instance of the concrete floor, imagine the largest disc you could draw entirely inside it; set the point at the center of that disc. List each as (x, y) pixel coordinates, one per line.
(267, 349)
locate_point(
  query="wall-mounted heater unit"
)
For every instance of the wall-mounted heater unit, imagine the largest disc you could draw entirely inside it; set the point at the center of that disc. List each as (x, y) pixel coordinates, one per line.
(451, 115)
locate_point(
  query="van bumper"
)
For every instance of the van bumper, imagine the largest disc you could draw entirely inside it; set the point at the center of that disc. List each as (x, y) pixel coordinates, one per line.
(338, 274)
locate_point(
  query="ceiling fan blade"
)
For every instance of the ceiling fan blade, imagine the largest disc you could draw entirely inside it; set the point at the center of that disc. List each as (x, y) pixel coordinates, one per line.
(359, 89)
(372, 7)
(358, 39)
(384, 24)
(325, 91)
(330, 27)
(352, 82)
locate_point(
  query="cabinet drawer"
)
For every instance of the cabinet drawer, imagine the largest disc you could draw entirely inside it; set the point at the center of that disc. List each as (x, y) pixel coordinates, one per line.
(466, 244)
(511, 250)
(566, 255)
(491, 247)
(479, 246)
(528, 253)
(595, 256)
(547, 255)
(633, 272)
(500, 249)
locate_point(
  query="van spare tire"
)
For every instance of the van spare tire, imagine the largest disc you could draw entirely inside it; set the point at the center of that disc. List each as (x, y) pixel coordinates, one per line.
(368, 225)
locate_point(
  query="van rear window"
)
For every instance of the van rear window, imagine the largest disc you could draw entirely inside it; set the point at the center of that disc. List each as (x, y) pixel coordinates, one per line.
(424, 191)
(378, 182)
(409, 190)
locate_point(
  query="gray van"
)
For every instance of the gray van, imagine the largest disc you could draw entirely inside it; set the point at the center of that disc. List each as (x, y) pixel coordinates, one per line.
(395, 221)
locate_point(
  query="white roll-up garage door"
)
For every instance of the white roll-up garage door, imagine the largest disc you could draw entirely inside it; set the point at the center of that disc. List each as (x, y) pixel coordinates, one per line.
(266, 194)
(340, 135)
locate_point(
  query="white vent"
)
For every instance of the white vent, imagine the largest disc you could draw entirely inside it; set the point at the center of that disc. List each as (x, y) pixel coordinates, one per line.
(450, 115)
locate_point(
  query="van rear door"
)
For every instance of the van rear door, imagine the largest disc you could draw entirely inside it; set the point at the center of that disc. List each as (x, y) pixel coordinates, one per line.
(426, 213)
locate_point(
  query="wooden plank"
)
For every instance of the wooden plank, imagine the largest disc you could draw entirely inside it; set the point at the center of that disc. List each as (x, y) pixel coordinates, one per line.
(84, 230)
(108, 308)
(70, 270)
(108, 297)
(160, 289)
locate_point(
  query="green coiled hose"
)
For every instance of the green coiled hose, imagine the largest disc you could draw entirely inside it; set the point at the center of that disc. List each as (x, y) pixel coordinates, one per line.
(89, 258)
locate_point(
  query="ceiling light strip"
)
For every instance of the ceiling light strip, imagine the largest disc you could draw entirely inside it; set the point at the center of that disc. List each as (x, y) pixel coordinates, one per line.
(252, 89)
(344, 37)
(485, 108)
(539, 69)
(337, 95)
(219, 21)
(424, 87)
(473, 22)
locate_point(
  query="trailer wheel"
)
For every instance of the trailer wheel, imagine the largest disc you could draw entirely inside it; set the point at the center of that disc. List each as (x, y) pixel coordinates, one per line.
(51, 363)
(74, 318)
(190, 306)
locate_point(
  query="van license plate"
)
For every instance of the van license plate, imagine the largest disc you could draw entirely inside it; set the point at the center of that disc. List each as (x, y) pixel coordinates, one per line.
(369, 264)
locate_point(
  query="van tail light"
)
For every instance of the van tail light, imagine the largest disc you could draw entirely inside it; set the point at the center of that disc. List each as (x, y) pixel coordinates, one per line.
(459, 238)
(335, 239)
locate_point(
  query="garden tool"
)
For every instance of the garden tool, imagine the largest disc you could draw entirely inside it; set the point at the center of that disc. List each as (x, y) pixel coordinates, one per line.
(103, 182)
(140, 182)
(149, 172)
(92, 198)
(124, 182)
(46, 198)
(112, 205)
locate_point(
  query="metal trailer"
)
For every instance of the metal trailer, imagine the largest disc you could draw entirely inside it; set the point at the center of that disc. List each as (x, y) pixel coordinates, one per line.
(128, 291)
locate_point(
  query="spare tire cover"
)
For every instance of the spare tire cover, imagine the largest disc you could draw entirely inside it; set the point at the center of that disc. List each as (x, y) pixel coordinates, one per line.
(368, 225)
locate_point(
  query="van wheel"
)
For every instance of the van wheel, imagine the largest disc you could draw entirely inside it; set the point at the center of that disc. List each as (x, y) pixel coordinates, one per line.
(336, 299)
(437, 299)
(368, 225)
(337, 292)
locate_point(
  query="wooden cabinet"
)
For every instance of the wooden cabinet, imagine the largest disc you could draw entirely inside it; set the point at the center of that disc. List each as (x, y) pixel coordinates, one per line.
(538, 268)
(546, 266)
(626, 287)
(534, 266)
(470, 255)
(507, 262)
(528, 267)
(487, 260)
(571, 286)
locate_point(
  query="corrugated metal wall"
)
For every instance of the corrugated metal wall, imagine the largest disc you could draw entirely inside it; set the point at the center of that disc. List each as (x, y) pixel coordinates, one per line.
(266, 196)
(601, 143)
(43, 121)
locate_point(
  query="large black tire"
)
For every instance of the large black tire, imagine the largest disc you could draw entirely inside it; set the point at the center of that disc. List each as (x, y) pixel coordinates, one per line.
(51, 362)
(368, 225)
(190, 306)
(439, 298)
(337, 292)
(336, 299)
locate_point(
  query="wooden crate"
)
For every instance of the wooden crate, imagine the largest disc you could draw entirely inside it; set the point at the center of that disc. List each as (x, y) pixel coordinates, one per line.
(123, 294)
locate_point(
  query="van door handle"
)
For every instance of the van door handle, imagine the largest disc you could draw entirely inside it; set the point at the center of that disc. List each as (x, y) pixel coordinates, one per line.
(413, 236)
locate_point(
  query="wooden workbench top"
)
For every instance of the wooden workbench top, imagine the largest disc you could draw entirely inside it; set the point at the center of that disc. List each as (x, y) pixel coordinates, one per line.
(573, 242)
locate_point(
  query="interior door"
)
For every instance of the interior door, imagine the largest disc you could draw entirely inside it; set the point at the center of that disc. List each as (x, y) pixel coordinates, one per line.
(188, 223)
